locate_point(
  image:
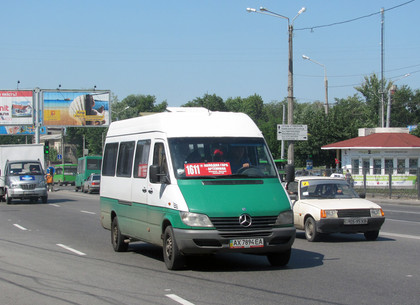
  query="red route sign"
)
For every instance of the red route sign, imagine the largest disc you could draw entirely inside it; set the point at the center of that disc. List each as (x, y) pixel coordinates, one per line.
(207, 169)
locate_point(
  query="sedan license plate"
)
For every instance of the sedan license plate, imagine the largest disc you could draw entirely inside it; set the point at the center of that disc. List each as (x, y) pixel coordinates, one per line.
(355, 221)
(247, 243)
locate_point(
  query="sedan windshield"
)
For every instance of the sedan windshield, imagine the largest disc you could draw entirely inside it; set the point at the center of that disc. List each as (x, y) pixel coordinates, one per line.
(221, 157)
(326, 189)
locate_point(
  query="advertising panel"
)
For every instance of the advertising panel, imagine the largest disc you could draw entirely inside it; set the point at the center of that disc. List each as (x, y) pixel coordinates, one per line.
(16, 107)
(76, 108)
(16, 130)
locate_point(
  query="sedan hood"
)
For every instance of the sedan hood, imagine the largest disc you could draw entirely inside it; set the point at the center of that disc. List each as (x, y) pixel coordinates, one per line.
(349, 203)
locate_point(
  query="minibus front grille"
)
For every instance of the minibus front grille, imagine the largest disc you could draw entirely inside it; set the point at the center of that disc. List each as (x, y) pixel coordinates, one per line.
(245, 234)
(354, 213)
(233, 224)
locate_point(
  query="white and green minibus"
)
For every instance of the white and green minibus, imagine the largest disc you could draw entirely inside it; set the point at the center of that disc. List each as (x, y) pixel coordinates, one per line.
(194, 182)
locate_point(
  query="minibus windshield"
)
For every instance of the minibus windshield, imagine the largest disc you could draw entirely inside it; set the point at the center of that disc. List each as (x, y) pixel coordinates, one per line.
(223, 157)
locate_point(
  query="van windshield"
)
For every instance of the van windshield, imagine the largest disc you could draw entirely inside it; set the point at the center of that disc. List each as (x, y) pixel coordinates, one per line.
(24, 168)
(222, 157)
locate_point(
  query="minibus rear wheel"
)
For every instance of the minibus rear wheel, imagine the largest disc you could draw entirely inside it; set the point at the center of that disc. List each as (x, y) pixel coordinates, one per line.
(173, 258)
(117, 239)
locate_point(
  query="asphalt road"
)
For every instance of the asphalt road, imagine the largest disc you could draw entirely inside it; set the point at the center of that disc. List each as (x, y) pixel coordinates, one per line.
(58, 253)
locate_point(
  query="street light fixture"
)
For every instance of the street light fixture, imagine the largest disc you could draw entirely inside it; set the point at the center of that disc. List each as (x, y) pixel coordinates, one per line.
(122, 110)
(325, 80)
(265, 11)
(391, 92)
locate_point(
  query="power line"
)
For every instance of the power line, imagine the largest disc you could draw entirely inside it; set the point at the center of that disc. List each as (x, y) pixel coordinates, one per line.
(351, 20)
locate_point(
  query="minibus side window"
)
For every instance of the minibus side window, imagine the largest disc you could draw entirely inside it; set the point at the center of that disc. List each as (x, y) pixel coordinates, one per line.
(125, 159)
(109, 161)
(141, 159)
(159, 159)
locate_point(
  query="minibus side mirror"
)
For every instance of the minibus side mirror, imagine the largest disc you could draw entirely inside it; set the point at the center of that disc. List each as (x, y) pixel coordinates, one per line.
(362, 195)
(156, 176)
(290, 173)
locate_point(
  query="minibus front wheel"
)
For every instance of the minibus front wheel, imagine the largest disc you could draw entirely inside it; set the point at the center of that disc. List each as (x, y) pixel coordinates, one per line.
(173, 258)
(117, 238)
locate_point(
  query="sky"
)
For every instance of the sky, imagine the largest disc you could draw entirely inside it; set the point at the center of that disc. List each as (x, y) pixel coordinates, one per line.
(180, 50)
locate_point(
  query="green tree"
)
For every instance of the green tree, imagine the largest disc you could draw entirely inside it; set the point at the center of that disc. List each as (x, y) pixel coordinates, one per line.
(210, 102)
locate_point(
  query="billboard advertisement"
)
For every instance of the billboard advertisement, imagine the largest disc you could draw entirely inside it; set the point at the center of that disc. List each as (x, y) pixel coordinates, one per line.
(16, 130)
(76, 108)
(16, 107)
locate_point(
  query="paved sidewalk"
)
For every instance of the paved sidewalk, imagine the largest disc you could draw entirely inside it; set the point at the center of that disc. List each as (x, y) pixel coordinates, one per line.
(406, 201)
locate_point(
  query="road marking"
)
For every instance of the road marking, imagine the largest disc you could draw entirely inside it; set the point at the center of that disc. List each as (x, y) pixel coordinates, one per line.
(398, 220)
(87, 212)
(179, 299)
(55, 205)
(396, 211)
(20, 227)
(70, 249)
(400, 235)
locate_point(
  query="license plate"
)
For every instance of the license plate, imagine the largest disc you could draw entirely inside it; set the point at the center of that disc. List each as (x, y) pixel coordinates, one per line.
(247, 243)
(355, 221)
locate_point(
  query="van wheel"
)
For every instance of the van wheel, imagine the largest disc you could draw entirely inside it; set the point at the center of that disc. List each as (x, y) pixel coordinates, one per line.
(371, 235)
(174, 260)
(117, 239)
(44, 199)
(7, 198)
(279, 259)
(310, 230)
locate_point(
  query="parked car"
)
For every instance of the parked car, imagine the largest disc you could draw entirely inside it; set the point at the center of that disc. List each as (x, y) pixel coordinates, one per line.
(329, 205)
(92, 184)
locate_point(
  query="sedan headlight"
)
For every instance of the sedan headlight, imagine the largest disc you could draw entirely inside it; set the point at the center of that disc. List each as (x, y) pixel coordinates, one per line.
(329, 214)
(195, 219)
(377, 213)
(285, 218)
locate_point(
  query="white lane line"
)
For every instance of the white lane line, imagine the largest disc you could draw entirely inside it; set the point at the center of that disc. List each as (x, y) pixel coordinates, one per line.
(178, 299)
(20, 227)
(400, 235)
(55, 205)
(87, 212)
(406, 221)
(71, 249)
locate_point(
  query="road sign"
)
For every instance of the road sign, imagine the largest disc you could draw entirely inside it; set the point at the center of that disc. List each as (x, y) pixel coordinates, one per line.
(59, 157)
(292, 132)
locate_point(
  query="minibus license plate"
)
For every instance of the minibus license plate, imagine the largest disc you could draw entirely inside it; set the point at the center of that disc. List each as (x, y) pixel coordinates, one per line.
(355, 221)
(247, 243)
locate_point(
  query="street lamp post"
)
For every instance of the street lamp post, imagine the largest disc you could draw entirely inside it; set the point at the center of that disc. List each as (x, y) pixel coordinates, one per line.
(325, 81)
(263, 10)
(122, 110)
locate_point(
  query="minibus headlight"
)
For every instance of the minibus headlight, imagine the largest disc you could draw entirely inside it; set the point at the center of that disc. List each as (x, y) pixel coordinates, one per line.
(196, 220)
(285, 218)
(41, 183)
(14, 185)
(377, 213)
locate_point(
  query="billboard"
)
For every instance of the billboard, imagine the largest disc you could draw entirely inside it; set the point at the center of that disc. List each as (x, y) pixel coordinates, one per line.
(76, 108)
(16, 130)
(16, 107)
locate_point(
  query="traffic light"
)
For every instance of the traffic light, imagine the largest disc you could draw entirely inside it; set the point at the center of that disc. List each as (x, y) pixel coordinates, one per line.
(46, 147)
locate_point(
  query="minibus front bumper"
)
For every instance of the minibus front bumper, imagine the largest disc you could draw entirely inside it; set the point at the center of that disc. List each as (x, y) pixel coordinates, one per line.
(256, 242)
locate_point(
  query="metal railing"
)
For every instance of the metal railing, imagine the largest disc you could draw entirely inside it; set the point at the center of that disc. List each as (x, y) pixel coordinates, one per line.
(390, 185)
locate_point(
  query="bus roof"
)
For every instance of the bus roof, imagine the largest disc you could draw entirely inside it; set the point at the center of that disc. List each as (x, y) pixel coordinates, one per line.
(189, 122)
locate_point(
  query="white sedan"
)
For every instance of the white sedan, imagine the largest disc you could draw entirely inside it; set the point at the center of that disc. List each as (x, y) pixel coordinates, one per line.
(329, 205)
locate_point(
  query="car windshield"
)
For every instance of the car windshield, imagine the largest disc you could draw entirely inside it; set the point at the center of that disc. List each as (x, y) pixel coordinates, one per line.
(326, 189)
(224, 157)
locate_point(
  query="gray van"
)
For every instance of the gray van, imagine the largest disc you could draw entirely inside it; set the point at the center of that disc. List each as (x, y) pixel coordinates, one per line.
(24, 179)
